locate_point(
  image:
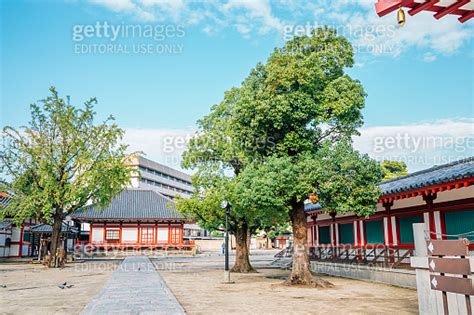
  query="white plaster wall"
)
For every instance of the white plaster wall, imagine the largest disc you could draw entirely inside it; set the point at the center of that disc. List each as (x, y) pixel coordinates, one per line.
(162, 234)
(97, 234)
(455, 194)
(14, 250)
(16, 234)
(408, 202)
(129, 235)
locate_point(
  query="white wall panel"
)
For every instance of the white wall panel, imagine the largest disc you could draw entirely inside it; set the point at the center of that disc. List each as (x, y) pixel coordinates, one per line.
(97, 234)
(129, 235)
(162, 234)
(16, 234)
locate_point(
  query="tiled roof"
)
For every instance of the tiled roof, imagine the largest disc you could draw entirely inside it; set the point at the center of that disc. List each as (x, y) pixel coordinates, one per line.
(432, 176)
(312, 206)
(4, 200)
(133, 204)
(46, 228)
(5, 224)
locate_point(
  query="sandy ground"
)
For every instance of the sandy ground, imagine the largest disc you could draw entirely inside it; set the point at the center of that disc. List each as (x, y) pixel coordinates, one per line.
(196, 282)
(33, 289)
(201, 292)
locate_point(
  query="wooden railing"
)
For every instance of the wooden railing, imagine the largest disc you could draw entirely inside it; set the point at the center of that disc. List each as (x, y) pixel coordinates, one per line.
(383, 255)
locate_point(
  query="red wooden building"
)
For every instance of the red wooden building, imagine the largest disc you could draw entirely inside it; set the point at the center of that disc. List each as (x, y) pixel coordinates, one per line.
(136, 218)
(441, 197)
(14, 238)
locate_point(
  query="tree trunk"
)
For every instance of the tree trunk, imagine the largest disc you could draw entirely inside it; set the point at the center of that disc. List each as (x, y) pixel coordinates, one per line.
(242, 261)
(55, 254)
(300, 272)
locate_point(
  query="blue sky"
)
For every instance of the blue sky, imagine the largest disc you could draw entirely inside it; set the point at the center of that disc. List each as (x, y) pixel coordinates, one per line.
(419, 79)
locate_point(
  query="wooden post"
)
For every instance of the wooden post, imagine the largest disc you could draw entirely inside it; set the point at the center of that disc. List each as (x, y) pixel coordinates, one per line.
(429, 198)
(427, 303)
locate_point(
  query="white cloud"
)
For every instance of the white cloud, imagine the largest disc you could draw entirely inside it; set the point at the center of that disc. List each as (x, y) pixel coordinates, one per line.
(116, 5)
(161, 145)
(381, 35)
(260, 9)
(429, 57)
(420, 145)
(242, 28)
(356, 19)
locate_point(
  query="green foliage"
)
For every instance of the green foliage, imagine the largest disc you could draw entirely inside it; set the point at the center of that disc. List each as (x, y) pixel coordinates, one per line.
(393, 169)
(343, 179)
(284, 134)
(301, 109)
(60, 161)
(298, 99)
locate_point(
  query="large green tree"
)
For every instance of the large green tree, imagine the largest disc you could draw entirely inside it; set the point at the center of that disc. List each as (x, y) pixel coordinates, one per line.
(59, 162)
(219, 161)
(289, 109)
(343, 179)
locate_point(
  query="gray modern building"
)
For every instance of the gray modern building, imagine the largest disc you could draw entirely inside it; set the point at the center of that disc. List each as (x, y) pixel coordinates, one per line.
(163, 179)
(168, 182)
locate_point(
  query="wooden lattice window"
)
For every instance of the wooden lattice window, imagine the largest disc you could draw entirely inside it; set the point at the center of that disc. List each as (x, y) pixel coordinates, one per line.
(147, 235)
(112, 235)
(176, 235)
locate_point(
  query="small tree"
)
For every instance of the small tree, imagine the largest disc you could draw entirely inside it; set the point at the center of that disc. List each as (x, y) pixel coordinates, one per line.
(219, 158)
(393, 169)
(59, 162)
(205, 206)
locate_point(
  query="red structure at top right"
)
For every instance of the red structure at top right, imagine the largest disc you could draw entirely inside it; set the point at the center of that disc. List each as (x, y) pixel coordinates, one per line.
(462, 8)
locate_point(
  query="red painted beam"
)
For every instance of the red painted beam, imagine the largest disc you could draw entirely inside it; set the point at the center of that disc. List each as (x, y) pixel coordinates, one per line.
(466, 17)
(384, 7)
(423, 6)
(453, 7)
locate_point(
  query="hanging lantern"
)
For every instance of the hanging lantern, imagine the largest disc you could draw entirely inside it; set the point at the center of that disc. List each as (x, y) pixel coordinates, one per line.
(313, 198)
(401, 17)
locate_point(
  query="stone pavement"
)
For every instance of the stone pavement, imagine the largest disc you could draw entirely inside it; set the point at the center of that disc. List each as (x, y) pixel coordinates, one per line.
(135, 288)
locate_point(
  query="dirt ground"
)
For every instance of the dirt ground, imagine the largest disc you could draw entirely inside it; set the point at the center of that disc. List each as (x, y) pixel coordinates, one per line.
(196, 282)
(33, 289)
(201, 292)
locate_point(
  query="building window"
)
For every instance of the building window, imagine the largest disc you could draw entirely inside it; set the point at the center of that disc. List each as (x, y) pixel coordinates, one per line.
(176, 235)
(459, 222)
(147, 235)
(405, 225)
(112, 235)
(346, 233)
(374, 232)
(324, 235)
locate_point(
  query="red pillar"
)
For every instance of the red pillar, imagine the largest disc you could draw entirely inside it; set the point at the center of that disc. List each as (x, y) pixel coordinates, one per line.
(429, 198)
(387, 206)
(90, 232)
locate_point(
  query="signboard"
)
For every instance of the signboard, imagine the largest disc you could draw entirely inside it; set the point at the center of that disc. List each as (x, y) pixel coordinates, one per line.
(452, 284)
(448, 247)
(457, 266)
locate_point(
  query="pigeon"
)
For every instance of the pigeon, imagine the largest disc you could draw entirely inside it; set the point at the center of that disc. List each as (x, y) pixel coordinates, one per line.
(3, 285)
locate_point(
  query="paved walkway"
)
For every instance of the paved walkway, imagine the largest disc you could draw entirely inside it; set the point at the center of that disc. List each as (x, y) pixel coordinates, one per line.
(135, 288)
